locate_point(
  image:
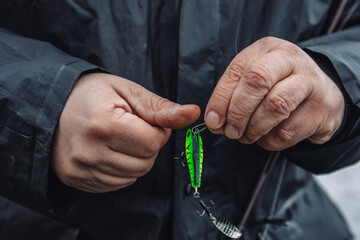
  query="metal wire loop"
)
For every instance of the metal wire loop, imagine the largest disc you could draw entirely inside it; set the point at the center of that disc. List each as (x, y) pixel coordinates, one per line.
(196, 129)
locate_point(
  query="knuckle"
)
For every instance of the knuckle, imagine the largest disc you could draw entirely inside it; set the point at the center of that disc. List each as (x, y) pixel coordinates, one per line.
(220, 94)
(269, 39)
(134, 89)
(279, 106)
(237, 69)
(285, 135)
(97, 127)
(157, 102)
(237, 112)
(269, 42)
(293, 50)
(257, 78)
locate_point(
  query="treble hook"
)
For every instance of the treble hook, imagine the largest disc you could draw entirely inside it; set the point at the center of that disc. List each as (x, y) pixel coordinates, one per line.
(203, 205)
(222, 224)
(200, 214)
(195, 129)
(182, 158)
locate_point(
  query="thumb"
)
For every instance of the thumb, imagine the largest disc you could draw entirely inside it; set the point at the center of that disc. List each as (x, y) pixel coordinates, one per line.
(156, 110)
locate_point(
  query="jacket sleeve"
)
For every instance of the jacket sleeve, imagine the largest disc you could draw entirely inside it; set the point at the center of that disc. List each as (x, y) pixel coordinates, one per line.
(35, 81)
(338, 55)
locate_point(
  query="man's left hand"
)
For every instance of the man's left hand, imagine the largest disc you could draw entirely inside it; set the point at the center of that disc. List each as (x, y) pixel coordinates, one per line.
(274, 94)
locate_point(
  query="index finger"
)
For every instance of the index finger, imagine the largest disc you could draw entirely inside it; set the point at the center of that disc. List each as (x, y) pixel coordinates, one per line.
(217, 107)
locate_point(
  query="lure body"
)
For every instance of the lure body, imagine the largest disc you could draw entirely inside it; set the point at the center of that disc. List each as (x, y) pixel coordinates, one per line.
(194, 156)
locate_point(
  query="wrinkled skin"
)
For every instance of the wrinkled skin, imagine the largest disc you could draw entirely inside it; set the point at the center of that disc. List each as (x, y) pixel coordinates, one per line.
(111, 131)
(274, 94)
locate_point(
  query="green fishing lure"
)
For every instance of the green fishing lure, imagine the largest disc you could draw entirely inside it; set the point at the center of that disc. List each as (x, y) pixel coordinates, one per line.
(194, 156)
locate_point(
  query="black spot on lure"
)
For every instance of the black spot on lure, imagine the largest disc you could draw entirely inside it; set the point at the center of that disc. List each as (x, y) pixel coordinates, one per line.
(194, 157)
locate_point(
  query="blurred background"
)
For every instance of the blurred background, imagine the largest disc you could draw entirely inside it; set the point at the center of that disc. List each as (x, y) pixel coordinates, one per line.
(343, 186)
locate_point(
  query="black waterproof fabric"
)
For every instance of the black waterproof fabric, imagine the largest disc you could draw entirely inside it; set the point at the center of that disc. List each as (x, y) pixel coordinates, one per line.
(177, 49)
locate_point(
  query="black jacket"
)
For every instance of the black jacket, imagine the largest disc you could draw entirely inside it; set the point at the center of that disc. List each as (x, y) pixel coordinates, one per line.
(177, 49)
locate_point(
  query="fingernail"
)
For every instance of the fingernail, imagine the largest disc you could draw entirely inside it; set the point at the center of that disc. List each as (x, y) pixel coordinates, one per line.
(231, 132)
(213, 120)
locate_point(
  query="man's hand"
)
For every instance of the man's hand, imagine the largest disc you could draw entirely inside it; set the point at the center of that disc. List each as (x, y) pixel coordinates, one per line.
(274, 94)
(111, 131)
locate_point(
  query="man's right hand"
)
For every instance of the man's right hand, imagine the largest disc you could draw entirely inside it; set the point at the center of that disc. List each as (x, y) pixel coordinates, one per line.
(110, 132)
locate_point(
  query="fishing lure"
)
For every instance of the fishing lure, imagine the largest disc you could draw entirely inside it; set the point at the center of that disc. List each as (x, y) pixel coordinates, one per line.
(195, 156)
